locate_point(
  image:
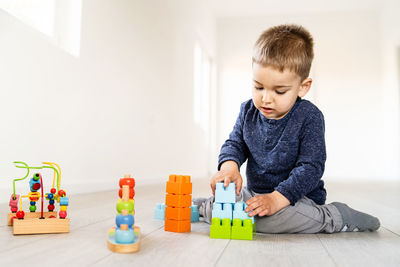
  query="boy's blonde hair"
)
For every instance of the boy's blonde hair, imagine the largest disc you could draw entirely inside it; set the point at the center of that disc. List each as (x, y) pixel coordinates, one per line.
(285, 46)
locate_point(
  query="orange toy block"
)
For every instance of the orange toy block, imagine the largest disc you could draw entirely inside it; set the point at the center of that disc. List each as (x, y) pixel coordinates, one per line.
(180, 214)
(177, 226)
(178, 201)
(179, 184)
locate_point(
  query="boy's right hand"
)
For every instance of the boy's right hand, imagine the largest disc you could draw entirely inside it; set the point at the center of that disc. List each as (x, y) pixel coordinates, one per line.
(229, 172)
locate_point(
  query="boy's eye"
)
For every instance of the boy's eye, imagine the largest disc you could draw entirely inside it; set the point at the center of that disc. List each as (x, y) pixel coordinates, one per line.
(280, 93)
(258, 88)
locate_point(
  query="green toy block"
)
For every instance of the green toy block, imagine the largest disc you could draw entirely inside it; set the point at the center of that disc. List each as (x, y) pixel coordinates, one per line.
(218, 230)
(243, 232)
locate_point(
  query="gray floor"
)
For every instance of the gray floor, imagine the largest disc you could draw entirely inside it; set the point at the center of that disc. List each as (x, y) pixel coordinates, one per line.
(92, 214)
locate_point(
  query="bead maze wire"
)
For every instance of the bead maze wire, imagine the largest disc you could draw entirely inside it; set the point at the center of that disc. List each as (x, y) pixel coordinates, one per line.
(23, 165)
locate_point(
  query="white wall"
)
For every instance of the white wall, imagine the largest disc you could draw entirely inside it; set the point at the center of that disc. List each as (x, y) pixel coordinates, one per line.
(348, 86)
(125, 105)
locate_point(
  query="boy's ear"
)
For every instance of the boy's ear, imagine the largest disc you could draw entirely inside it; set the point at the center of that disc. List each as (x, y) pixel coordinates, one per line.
(305, 87)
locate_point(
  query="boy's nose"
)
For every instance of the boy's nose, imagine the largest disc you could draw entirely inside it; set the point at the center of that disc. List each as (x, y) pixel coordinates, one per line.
(266, 97)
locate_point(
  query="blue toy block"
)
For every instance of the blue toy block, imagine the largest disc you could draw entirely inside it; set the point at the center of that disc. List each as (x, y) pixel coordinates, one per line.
(225, 195)
(159, 212)
(195, 215)
(222, 211)
(239, 213)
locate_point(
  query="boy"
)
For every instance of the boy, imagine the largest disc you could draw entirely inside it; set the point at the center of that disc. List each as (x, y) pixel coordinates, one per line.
(282, 138)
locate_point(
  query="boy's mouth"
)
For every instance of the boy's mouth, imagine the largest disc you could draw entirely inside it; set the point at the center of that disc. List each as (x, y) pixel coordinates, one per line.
(267, 110)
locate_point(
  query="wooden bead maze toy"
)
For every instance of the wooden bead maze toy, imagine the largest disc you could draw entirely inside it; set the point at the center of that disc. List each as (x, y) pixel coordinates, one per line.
(42, 222)
(125, 237)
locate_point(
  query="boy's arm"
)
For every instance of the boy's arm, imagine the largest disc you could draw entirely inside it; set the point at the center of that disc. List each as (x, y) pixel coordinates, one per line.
(234, 153)
(310, 163)
(235, 148)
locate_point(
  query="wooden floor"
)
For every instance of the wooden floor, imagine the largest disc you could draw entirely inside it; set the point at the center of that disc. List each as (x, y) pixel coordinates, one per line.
(92, 214)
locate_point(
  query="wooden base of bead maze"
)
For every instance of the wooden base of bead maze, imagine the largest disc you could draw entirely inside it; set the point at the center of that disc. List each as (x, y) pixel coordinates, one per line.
(30, 215)
(34, 225)
(123, 248)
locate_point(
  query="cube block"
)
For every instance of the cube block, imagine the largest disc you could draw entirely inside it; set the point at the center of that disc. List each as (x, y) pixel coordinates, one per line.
(220, 229)
(222, 210)
(159, 212)
(179, 184)
(195, 215)
(180, 214)
(178, 201)
(177, 226)
(239, 213)
(242, 231)
(225, 195)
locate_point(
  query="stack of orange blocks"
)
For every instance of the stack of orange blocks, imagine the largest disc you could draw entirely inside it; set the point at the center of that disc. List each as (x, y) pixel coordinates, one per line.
(178, 201)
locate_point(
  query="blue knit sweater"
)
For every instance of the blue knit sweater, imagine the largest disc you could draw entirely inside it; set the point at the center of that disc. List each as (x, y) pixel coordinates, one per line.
(287, 155)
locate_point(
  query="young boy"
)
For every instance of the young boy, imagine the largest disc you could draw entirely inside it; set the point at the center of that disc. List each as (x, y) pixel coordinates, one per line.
(282, 138)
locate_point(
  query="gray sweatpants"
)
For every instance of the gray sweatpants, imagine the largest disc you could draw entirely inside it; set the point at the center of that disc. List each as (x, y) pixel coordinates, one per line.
(304, 217)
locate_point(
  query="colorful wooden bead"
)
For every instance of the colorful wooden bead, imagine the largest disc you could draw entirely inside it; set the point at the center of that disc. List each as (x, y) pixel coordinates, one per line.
(50, 207)
(62, 214)
(14, 209)
(50, 196)
(125, 219)
(61, 193)
(131, 193)
(51, 201)
(32, 203)
(63, 208)
(13, 201)
(32, 208)
(125, 205)
(124, 237)
(36, 176)
(20, 214)
(53, 190)
(64, 201)
(127, 181)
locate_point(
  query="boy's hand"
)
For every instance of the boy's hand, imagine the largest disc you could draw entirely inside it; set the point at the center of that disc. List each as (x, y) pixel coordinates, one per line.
(266, 204)
(229, 172)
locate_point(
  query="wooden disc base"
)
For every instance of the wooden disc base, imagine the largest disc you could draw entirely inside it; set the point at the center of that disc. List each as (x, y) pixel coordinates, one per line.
(123, 248)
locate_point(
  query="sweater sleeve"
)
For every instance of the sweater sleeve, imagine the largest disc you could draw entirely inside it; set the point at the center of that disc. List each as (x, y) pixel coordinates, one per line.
(234, 147)
(310, 163)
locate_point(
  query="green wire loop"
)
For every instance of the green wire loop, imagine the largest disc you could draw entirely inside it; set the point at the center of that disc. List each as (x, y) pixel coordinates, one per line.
(25, 166)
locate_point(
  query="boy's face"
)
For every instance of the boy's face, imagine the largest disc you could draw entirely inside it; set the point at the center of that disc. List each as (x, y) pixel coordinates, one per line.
(275, 92)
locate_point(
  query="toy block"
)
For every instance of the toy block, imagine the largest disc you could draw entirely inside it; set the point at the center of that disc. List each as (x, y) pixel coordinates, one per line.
(179, 184)
(178, 201)
(40, 226)
(243, 232)
(123, 248)
(222, 210)
(177, 226)
(220, 229)
(31, 215)
(195, 215)
(225, 195)
(159, 212)
(180, 214)
(239, 213)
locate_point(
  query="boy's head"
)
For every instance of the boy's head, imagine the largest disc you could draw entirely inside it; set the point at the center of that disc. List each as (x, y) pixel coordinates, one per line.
(282, 58)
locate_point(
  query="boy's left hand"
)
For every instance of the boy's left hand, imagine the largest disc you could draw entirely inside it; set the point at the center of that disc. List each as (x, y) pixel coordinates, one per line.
(266, 204)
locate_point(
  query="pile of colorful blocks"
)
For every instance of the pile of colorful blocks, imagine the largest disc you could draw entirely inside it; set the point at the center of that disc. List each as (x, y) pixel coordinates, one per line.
(229, 220)
(177, 211)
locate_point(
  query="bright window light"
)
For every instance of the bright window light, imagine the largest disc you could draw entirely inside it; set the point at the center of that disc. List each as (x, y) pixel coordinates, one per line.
(60, 20)
(202, 84)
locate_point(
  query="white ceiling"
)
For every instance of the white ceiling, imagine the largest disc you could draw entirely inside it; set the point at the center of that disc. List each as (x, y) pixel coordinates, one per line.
(244, 8)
